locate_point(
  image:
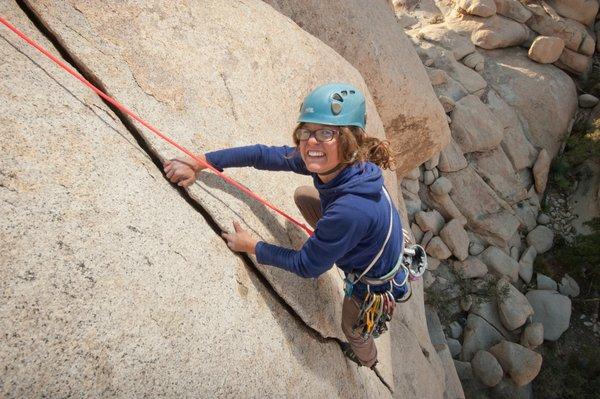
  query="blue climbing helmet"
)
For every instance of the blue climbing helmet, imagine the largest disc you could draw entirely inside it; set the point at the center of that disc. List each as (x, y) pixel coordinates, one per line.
(337, 104)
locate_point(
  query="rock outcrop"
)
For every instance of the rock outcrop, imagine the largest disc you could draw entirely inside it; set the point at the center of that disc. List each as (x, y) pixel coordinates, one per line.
(499, 69)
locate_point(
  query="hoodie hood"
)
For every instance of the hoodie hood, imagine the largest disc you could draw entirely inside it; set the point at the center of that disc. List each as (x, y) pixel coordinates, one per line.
(363, 179)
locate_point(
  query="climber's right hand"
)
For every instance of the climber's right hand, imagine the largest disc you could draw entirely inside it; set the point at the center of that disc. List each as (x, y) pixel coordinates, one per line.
(183, 171)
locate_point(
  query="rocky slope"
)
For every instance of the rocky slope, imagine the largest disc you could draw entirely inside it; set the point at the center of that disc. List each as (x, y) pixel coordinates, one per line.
(476, 206)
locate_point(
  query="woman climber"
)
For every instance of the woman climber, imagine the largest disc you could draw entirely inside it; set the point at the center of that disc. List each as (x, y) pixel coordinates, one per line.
(356, 225)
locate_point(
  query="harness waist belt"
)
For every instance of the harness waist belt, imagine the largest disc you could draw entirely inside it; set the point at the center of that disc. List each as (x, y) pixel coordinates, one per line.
(383, 279)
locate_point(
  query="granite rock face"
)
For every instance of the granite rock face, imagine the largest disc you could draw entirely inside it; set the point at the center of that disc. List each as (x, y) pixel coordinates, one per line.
(517, 80)
(108, 262)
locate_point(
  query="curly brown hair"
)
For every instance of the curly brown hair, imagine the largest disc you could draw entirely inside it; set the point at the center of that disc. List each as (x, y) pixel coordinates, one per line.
(356, 146)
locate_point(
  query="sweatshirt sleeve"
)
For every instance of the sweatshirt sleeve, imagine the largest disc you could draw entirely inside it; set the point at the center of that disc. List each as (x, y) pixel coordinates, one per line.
(284, 158)
(337, 232)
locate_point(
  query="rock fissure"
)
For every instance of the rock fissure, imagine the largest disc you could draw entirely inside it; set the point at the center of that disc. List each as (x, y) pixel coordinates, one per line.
(81, 68)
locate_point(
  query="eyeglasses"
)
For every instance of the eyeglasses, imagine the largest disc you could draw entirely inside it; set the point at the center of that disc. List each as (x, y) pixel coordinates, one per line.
(321, 135)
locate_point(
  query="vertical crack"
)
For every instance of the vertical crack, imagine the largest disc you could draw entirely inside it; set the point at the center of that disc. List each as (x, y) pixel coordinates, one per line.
(80, 66)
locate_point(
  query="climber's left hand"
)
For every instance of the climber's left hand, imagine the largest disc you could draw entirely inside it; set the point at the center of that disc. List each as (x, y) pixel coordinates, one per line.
(241, 240)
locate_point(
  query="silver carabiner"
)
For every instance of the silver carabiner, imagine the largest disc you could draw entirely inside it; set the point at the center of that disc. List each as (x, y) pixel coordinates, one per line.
(415, 259)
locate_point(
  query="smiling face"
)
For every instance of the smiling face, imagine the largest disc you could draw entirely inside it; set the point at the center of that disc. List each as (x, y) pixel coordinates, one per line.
(320, 157)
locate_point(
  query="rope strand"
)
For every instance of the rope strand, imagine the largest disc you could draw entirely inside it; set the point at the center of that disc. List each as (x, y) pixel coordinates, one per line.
(150, 127)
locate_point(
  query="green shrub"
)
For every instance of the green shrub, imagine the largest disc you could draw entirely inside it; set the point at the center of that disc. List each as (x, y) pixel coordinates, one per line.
(582, 256)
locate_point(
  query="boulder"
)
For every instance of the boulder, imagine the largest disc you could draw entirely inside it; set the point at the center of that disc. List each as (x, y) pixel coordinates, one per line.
(439, 34)
(444, 204)
(499, 32)
(432, 162)
(546, 49)
(574, 62)
(413, 174)
(428, 177)
(527, 214)
(466, 302)
(432, 263)
(474, 61)
(412, 186)
(451, 158)
(588, 101)
(455, 329)
(541, 238)
(522, 364)
(478, 335)
(454, 346)
(426, 238)
(476, 248)
(474, 127)
(533, 335)
(500, 263)
(514, 308)
(513, 9)
(436, 76)
(438, 249)
(517, 80)
(471, 267)
(447, 103)
(485, 212)
(490, 33)
(541, 168)
(417, 232)
(544, 282)
(456, 239)
(543, 219)
(547, 23)
(552, 310)
(467, 79)
(489, 311)
(441, 186)
(515, 143)
(582, 11)
(497, 171)
(486, 368)
(430, 221)
(482, 8)
(526, 264)
(471, 384)
(568, 286)
(377, 46)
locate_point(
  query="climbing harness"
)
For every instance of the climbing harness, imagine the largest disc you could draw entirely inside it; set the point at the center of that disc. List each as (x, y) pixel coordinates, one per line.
(153, 129)
(376, 309)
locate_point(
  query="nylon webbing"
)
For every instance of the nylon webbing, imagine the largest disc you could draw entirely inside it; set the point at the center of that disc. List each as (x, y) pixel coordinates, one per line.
(154, 130)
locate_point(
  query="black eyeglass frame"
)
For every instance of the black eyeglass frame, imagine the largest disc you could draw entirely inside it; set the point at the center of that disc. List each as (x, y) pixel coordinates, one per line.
(318, 134)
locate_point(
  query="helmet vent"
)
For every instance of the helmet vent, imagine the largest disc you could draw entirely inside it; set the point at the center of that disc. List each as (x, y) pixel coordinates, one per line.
(344, 93)
(336, 108)
(352, 92)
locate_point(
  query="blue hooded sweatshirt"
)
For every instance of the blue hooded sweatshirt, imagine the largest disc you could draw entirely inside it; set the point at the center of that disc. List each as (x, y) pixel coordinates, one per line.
(354, 223)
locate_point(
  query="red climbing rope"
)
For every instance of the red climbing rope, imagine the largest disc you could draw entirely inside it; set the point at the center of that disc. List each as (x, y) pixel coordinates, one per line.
(150, 127)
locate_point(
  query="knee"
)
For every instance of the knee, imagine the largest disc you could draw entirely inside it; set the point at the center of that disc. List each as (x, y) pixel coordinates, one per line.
(302, 193)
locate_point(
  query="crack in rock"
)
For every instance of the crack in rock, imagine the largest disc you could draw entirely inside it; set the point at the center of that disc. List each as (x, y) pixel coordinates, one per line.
(80, 66)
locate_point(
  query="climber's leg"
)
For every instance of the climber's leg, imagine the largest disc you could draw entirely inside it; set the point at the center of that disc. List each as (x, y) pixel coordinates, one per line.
(308, 202)
(365, 349)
